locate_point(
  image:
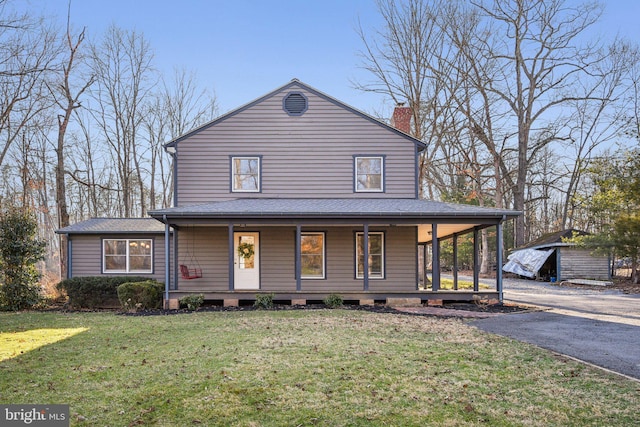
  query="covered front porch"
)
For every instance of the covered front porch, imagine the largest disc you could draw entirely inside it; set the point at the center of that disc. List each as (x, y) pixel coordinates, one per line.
(367, 253)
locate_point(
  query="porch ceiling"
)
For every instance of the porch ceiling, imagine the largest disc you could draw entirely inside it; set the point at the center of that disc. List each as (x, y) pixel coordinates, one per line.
(444, 230)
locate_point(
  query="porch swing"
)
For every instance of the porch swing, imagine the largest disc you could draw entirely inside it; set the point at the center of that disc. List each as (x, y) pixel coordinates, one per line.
(189, 267)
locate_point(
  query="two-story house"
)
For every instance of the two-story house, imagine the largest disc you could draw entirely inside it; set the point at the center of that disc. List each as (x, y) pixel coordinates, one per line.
(296, 194)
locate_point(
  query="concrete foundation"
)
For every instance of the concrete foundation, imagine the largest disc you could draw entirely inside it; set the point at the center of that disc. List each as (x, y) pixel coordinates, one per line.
(172, 304)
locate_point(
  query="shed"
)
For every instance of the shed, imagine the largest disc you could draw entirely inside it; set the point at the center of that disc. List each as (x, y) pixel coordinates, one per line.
(550, 257)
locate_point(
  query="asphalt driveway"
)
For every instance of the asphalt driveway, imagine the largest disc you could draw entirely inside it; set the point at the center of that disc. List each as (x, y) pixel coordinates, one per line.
(601, 327)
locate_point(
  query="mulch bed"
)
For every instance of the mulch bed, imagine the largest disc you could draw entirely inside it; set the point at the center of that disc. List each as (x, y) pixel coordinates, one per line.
(377, 308)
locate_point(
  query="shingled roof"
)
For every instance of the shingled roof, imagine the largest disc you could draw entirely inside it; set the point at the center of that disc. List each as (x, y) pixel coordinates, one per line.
(115, 226)
(331, 208)
(553, 239)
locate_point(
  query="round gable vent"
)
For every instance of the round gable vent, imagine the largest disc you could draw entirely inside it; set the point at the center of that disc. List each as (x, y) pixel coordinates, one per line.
(295, 104)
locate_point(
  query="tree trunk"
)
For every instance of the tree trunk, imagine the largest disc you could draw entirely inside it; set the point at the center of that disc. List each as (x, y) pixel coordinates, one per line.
(61, 192)
(68, 103)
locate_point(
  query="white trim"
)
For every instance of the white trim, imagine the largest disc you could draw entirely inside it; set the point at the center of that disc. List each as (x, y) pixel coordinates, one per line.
(355, 168)
(233, 174)
(127, 256)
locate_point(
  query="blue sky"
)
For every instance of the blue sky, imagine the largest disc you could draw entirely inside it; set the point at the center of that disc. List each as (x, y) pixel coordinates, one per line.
(242, 49)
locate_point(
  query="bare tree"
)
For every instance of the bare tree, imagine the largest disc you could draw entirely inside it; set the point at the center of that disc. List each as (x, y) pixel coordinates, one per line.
(510, 68)
(179, 106)
(401, 59)
(596, 122)
(542, 68)
(95, 185)
(29, 49)
(67, 98)
(124, 78)
(31, 157)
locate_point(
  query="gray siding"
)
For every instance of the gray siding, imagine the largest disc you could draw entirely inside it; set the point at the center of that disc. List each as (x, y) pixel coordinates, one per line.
(87, 255)
(277, 259)
(306, 156)
(206, 247)
(581, 264)
(400, 261)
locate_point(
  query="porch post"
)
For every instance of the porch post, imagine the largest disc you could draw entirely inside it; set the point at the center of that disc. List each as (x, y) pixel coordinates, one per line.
(298, 258)
(435, 258)
(476, 259)
(167, 261)
(175, 258)
(424, 265)
(365, 250)
(499, 260)
(455, 261)
(231, 256)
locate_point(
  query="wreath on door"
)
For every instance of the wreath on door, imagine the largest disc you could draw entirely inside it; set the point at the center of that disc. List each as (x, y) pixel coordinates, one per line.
(246, 250)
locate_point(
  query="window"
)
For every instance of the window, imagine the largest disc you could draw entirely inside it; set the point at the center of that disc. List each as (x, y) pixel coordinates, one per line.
(246, 252)
(127, 255)
(312, 255)
(369, 173)
(245, 174)
(376, 255)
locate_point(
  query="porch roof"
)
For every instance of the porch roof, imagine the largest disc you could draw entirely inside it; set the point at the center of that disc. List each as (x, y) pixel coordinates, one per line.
(451, 218)
(339, 208)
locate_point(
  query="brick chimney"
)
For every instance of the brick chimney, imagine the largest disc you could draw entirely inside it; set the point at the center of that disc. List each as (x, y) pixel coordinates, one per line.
(401, 118)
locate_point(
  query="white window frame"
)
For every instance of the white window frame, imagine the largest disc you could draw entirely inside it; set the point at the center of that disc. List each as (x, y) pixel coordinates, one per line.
(356, 175)
(360, 274)
(234, 173)
(324, 254)
(127, 255)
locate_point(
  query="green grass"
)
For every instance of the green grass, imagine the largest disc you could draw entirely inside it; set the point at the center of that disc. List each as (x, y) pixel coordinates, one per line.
(311, 367)
(462, 284)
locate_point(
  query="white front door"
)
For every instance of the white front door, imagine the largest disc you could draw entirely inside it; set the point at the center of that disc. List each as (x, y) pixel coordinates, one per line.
(246, 260)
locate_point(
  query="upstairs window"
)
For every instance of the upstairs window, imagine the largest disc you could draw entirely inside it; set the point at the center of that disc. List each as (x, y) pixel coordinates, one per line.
(369, 173)
(245, 174)
(127, 255)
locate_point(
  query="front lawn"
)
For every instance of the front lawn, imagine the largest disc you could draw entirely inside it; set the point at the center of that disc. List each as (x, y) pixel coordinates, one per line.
(297, 367)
